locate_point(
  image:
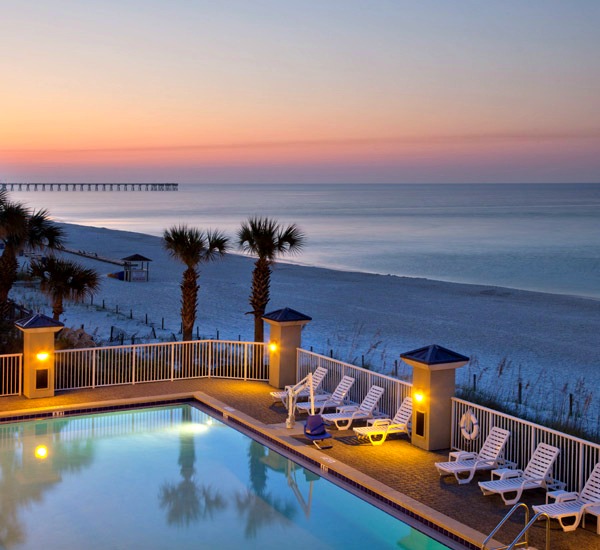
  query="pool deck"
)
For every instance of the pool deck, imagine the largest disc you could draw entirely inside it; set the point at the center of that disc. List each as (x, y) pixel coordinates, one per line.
(401, 472)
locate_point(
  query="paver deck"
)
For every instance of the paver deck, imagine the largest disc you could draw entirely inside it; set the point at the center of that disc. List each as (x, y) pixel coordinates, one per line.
(396, 464)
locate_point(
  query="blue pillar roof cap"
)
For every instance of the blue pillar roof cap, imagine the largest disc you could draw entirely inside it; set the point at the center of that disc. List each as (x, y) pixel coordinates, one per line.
(38, 320)
(286, 315)
(434, 355)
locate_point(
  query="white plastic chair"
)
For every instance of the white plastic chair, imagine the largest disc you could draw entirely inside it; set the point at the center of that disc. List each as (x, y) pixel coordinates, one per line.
(537, 474)
(378, 429)
(576, 505)
(347, 414)
(465, 463)
(336, 399)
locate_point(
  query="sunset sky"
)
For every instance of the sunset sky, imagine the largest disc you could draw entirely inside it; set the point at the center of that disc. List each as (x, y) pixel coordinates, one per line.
(300, 91)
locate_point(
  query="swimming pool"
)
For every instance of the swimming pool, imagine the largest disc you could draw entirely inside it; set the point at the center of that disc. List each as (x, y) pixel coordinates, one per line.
(172, 477)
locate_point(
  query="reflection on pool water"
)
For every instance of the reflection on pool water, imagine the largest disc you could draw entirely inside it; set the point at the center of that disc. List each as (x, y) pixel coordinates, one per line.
(172, 477)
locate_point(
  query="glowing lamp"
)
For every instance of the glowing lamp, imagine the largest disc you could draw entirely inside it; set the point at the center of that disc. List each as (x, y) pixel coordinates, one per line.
(42, 356)
(419, 397)
(273, 346)
(41, 452)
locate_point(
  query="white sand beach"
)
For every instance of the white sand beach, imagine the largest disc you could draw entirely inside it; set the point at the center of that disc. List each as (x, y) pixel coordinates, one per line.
(550, 341)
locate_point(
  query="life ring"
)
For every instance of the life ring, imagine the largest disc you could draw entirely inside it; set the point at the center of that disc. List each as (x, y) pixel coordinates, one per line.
(469, 426)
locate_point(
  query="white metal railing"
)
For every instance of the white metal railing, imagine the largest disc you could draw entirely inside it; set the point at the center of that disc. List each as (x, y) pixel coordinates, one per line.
(577, 456)
(395, 390)
(10, 374)
(119, 365)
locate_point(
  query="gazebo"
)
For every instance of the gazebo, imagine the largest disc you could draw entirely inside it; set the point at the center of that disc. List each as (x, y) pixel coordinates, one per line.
(136, 268)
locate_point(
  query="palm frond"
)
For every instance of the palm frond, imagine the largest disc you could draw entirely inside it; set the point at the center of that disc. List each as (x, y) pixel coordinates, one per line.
(42, 231)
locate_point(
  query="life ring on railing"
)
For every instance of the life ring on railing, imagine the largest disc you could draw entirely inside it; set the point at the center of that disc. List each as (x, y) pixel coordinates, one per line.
(469, 426)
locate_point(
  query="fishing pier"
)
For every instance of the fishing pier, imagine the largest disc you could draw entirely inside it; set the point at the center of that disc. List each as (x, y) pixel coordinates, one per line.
(20, 187)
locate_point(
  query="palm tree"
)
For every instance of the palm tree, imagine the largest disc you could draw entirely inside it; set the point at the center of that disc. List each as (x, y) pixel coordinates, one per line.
(192, 247)
(64, 280)
(186, 502)
(267, 239)
(21, 228)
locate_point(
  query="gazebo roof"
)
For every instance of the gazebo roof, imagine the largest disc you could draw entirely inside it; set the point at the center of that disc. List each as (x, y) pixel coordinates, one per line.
(136, 258)
(434, 355)
(286, 315)
(38, 320)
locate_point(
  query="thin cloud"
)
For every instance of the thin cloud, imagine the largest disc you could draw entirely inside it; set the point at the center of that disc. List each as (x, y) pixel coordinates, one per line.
(410, 140)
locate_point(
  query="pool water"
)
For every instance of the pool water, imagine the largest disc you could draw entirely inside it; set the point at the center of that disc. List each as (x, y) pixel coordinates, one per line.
(172, 477)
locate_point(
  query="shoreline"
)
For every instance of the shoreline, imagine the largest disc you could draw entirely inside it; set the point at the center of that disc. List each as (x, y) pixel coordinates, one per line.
(547, 341)
(445, 281)
(289, 261)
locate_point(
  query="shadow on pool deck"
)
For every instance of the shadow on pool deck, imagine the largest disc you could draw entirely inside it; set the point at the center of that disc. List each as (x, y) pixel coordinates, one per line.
(396, 463)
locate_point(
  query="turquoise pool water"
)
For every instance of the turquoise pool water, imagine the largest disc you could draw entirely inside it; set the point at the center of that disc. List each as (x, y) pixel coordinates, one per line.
(172, 478)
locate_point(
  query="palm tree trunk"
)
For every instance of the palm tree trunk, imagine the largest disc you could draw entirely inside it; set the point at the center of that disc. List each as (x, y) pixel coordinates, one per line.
(189, 301)
(261, 282)
(57, 308)
(8, 276)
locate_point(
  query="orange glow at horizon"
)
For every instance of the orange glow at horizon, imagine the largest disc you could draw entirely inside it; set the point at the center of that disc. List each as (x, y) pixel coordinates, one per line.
(436, 149)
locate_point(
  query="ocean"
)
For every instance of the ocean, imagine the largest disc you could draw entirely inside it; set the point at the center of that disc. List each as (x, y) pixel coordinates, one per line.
(541, 237)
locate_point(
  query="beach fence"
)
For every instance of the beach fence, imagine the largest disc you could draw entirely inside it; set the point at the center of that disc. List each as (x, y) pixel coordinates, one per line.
(395, 390)
(134, 364)
(577, 456)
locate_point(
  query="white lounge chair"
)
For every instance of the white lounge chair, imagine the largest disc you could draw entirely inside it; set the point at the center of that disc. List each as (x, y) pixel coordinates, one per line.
(379, 428)
(346, 414)
(336, 399)
(463, 464)
(576, 505)
(537, 474)
(317, 379)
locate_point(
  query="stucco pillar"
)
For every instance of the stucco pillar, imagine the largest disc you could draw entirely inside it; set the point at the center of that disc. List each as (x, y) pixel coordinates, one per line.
(434, 384)
(285, 336)
(38, 354)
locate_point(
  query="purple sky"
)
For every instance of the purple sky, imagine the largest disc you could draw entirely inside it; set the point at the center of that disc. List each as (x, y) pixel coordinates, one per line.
(271, 91)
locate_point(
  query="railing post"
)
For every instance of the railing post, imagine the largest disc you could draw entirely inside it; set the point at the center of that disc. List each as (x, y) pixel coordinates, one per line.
(172, 344)
(133, 365)
(453, 424)
(581, 477)
(209, 361)
(94, 362)
(20, 374)
(246, 360)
